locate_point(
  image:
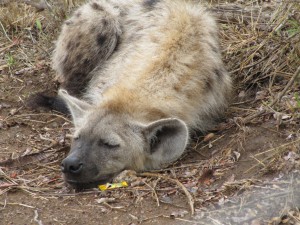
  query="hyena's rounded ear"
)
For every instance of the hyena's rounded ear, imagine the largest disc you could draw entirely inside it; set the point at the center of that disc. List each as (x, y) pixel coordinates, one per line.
(77, 107)
(166, 141)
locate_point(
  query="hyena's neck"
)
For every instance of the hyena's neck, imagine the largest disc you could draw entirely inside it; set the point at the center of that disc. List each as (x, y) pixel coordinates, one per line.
(135, 105)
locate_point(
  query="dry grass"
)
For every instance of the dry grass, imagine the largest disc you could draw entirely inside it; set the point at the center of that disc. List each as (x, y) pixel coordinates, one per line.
(261, 44)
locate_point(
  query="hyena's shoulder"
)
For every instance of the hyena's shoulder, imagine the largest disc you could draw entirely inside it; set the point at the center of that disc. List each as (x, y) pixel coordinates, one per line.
(87, 39)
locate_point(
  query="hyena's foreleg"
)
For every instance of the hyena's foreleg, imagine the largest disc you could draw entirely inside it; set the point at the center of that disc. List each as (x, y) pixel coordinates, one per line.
(87, 40)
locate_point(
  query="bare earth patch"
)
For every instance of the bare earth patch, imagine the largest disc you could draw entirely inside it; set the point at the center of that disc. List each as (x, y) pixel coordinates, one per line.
(246, 171)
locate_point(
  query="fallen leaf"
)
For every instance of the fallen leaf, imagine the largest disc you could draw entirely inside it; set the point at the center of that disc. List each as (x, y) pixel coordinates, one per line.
(260, 95)
(105, 200)
(291, 156)
(206, 177)
(242, 94)
(285, 117)
(208, 137)
(237, 155)
(12, 111)
(13, 175)
(178, 214)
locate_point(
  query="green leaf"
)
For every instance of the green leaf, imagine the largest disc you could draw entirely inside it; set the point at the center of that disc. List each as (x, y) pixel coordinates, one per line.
(10, 60)
(297, 99)
(38, 25)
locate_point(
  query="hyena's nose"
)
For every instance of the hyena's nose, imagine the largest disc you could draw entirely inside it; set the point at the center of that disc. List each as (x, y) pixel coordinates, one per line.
(71, 165)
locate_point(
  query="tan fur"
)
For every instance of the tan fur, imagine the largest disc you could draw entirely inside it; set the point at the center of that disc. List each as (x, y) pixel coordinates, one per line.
(155, 71)
(174, 74)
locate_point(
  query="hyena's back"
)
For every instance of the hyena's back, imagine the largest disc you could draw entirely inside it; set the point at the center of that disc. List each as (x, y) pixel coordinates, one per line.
(156, 59)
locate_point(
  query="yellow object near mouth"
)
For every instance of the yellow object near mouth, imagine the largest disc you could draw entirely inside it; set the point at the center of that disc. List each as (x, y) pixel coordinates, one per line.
(110, 186)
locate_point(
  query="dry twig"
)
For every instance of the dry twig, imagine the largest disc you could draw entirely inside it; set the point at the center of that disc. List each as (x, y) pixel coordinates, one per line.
(186, 192)
(277, 99)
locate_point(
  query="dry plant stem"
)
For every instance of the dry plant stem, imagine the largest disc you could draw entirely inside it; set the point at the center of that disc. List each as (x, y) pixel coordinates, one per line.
(36, 114)
(36, 216)
(186, 192)
(112, 207)
(234, 13)
(17, 204)
(154, 192)
(3, 29)
(8, 47)
(290, 83)
(277, 99)
(281, 146)
(270, 150)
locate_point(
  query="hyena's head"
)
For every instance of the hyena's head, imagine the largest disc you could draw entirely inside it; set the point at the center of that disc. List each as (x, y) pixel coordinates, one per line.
(106, 143)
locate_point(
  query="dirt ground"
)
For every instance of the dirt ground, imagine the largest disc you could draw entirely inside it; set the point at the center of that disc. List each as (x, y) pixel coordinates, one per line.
(257, 158)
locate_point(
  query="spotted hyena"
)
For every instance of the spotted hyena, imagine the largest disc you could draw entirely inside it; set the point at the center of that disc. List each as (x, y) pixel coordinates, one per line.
(137, 76)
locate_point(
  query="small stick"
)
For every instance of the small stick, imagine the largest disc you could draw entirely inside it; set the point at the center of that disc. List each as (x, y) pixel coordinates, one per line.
(36, 216)
(154, 192)
(9, 46)
(18, 204)
(114, 207)
(281, 146)
(289, 84)
(272, 149)
(3, 29)
(186, 192)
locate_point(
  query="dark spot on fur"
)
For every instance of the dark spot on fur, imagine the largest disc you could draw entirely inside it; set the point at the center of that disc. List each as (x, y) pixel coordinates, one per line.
(78, 57)
(209, 84)
(177, 88)
(77, 44)
(78, 14)
(93, 29)
(104, 22)
(150, 3)
(70, 46)
(218, 72)
(101, 39)
(96, 6)
(117, 47)
(86, 62)
(213, 48)
(80, 36)
(123, 13)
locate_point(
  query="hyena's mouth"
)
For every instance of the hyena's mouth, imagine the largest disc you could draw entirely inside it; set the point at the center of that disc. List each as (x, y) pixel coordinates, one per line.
(81, 185)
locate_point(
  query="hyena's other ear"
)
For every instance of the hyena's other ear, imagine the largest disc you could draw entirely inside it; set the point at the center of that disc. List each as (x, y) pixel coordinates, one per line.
(166, 140)
(77, 107)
